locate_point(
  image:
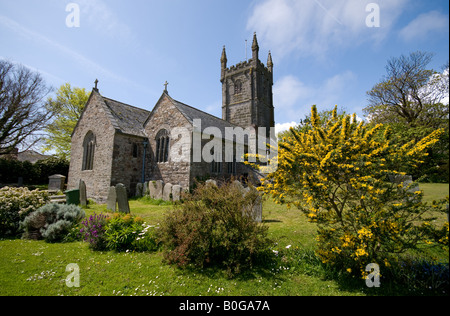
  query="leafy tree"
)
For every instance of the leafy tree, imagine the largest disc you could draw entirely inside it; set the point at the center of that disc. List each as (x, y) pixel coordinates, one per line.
(338, 174)
(413, 101)
(410, 93)
(67, 108)
(22, 114)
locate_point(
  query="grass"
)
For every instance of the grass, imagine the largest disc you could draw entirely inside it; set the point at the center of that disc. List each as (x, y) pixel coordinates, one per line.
(39, 268)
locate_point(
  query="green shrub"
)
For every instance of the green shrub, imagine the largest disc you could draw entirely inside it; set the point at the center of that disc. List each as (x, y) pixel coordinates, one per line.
(129, 233)
(53, 222)
(214, 227)
(15, 205)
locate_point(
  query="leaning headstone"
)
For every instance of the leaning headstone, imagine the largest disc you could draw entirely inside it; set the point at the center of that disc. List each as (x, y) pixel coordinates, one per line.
(83, 196)
(159, 190)
(122, 199)
(139, 189)
(111, 199)
(56, 182)
(167, 192)
(176, 193)
(152, 189)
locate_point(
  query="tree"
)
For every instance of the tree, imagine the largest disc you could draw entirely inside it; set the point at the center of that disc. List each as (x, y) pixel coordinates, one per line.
(338, 174)
(22, 114)
(67, 108)
(413, 101)
(409, 93)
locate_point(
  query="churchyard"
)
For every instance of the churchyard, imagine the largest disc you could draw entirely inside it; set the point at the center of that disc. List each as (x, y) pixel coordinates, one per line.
(30, 267)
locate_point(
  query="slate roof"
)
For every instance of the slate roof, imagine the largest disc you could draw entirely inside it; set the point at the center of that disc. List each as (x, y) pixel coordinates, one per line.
(127, 118)
(207, 119)
(131, 120)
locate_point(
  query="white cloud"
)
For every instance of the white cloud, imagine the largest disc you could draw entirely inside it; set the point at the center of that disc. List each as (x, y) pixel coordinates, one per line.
(424, 24)
(314, 27)
(281, 127)
(88, 65)
(293, 98)
(103, 20)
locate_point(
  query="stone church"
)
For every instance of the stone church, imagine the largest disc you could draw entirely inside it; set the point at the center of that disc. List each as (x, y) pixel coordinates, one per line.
(114, 142)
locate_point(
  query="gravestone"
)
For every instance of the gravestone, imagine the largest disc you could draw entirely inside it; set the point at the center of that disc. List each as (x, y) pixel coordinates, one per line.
(56, 182)
(167, 192)
(176, 193)
(145, 189)
(122, 199)
(152, 189)
(111, 199)
(83, 196)
(159, 190)
(139, 189)
(211, 182)
(256, 206)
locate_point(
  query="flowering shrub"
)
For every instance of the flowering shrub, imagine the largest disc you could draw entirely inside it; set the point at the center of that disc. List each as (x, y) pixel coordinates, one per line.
(337, 173)
(15, 205)
(52, 222)
(127, 232)
(120, 232)
(213, 227)
(93, 231)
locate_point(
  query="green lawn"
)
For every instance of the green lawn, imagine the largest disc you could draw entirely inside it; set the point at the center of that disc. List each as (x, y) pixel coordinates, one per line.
(38, 268)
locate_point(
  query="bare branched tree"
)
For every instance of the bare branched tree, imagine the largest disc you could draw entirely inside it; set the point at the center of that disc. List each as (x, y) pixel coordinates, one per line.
(410, 93)
(22, 111)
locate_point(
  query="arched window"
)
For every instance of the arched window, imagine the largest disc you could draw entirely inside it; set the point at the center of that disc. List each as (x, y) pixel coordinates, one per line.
(162, 146)
(237, 87)
(88, 151)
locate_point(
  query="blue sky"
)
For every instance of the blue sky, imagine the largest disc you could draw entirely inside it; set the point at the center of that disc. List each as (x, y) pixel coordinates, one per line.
(323, 51)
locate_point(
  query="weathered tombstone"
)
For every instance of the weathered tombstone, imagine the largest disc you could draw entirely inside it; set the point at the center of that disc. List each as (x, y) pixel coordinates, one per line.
(256, 206)
(167, 192)
(145, 189)
(111, 199)
(139, 189)
(211, 182)
(257, 210)
(56, 182)
(83, 196)
(238, 184)
(152, 189)
(122, 199)
(159, 190)
(176, 193)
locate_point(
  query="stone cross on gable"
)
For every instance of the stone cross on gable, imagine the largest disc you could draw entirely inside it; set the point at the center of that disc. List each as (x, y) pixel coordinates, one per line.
(165, 86)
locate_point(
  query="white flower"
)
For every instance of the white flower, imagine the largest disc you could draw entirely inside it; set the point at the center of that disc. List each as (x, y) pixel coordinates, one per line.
(288, 246)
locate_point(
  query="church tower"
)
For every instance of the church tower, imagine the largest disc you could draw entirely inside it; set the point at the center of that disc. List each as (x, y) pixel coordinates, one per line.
(247, 98)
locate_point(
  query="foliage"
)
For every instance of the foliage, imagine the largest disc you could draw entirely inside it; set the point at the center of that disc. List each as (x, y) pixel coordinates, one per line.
(93, 231)
(339, 177)
(36, 173)
(21, 111)
(67, 108)
(411, 100)
(130, 233)
(53, 222)
(119, 232)
(214, 227)
(15, 205)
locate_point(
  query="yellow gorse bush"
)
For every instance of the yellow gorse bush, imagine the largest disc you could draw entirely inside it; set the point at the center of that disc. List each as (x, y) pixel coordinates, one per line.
(337, 173)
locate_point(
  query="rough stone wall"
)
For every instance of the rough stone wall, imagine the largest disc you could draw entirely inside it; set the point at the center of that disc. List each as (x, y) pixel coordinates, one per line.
(127, 161)
(98, 180)
(166, 116)
(254, 104)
